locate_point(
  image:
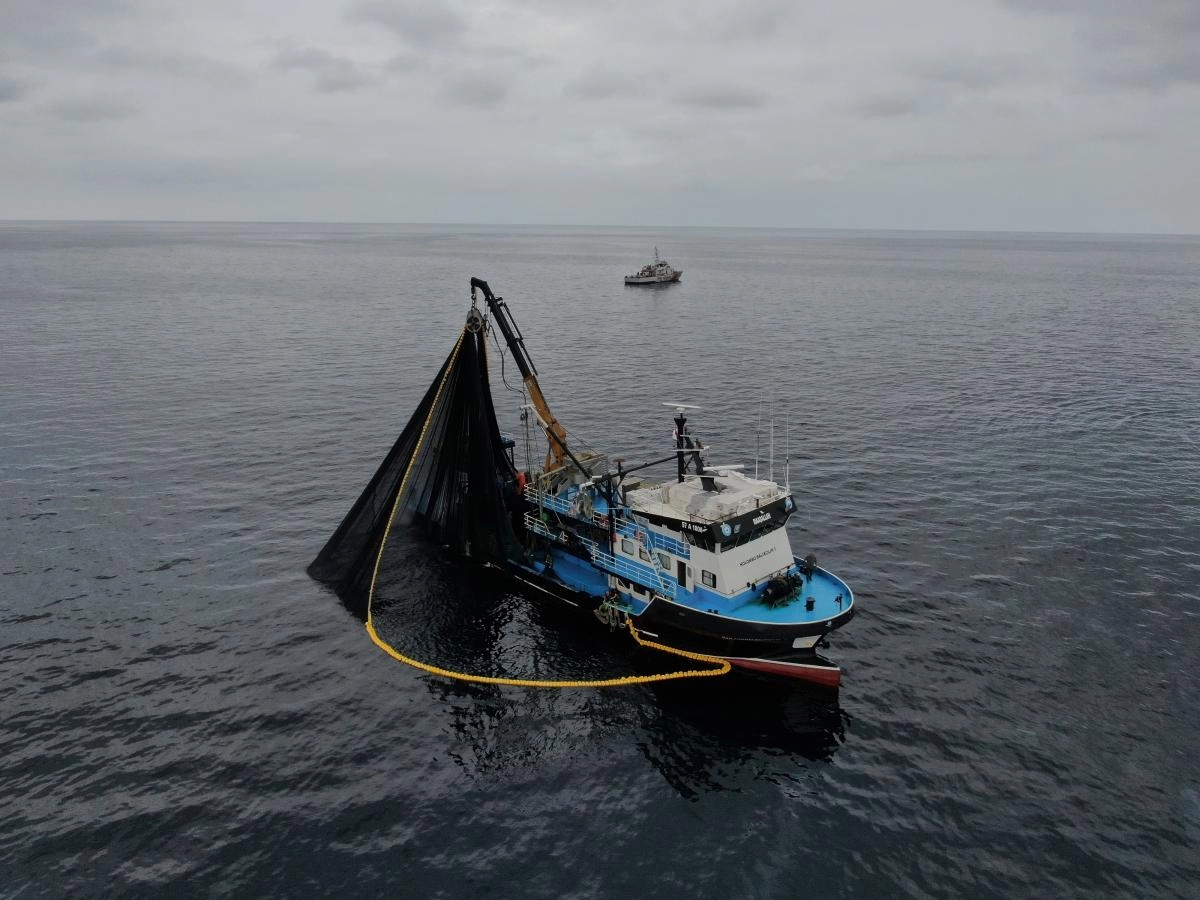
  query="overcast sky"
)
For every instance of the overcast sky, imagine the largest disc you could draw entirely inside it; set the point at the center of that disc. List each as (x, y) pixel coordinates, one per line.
(1078, 115)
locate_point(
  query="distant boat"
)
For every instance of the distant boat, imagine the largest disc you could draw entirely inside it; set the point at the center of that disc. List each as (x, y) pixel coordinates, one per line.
(657, 272)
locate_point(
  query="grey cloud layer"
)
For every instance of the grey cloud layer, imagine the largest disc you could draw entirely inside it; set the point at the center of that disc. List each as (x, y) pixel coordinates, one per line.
(994, 113)
(1148, 44)
(94, 109)
(12, 89)
(331, 73)
(420, 23)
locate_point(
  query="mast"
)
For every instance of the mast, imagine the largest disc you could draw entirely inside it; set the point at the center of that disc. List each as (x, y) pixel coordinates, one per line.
(680, 425)
(686, 446)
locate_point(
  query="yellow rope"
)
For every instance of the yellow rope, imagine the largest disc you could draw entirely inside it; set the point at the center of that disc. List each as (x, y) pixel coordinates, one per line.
(722, 664)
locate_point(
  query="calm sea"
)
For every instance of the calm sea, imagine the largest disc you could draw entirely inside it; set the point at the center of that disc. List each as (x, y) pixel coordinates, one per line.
(994, 438)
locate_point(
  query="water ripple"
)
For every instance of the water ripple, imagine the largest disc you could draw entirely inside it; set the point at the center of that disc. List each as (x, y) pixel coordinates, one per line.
(991, 438)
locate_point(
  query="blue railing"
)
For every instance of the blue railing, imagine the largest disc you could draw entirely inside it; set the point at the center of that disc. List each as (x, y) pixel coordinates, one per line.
(633, 571)
(659, 541)
(617, 565)
(550, 501)
(624, 527)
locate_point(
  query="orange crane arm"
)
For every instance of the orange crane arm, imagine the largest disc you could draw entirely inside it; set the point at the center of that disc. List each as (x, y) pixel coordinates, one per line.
(556, 435)
(557, 453)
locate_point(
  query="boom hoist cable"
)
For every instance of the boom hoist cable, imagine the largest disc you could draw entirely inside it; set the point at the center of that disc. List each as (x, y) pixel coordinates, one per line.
(557, 453)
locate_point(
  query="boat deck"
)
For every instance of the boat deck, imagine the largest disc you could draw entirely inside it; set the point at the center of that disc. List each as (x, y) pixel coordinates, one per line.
(824, 587)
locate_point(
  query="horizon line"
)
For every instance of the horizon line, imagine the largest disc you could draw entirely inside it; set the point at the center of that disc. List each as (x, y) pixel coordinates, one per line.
(105, 221)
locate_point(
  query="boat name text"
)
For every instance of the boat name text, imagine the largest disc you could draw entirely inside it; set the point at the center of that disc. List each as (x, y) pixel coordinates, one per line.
(766, 552)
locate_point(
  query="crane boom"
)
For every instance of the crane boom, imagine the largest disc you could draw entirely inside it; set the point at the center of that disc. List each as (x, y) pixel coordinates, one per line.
(557, 453)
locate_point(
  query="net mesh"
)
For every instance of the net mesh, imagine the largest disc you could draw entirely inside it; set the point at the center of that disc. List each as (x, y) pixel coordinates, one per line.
(462, 489)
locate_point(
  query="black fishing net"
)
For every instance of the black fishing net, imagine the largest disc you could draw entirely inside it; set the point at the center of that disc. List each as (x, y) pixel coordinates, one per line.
(461, 490)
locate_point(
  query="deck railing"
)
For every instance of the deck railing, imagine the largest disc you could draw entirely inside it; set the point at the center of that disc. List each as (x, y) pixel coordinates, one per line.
(642, 575)
(624, 527)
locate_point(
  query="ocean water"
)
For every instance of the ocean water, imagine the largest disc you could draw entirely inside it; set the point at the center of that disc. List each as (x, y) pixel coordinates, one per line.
(994, 438)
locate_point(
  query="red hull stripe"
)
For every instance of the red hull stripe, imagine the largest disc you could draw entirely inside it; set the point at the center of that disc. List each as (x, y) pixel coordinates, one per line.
(830, 676)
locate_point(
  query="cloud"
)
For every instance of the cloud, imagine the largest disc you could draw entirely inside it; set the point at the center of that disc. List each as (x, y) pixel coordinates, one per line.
(12, 89)
(1148, 45)
(722, 110)
(722, 97)
(420, 22)
(332, 73)
(89, 110)
(974, 72)
(480, 91)
(746, 21)
(941, 159)
(604, 84)
(53, 27)
(174, 63)
(402, 63)
(1149, 71)
(198, 171)
(886, 106)
(1160, 14)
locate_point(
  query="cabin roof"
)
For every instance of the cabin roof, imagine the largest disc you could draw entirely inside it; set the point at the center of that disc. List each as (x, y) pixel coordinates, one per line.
(736, 495)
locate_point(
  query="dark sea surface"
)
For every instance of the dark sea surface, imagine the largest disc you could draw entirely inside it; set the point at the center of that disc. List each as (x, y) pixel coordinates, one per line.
(995, 439)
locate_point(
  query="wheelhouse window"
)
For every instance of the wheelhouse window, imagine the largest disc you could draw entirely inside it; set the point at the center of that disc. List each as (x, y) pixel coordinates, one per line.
(709, 579)
(643, 554)
(627, 546)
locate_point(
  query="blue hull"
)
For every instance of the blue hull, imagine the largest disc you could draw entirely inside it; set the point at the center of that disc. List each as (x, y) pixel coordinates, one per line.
(761, 639)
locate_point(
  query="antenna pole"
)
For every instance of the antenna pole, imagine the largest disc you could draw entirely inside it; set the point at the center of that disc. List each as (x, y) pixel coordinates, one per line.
(787, 451)
(758, 437)
(771, 465)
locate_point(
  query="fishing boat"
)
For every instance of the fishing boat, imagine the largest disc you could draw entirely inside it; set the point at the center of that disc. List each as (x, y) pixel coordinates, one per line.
(698, 560)
(657, 272)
